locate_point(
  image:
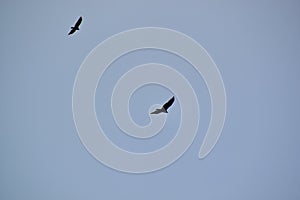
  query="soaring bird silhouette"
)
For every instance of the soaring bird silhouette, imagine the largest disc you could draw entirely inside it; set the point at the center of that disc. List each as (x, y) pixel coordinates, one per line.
(76, 26)
(165, 107)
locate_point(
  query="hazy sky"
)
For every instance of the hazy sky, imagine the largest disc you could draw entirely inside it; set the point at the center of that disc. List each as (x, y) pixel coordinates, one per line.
(256, 46)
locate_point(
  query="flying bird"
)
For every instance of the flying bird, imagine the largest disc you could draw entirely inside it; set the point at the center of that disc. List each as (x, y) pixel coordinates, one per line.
(76, 26)
(165, 107)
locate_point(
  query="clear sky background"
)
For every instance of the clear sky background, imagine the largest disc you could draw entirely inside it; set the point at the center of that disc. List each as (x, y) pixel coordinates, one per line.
(256, 46)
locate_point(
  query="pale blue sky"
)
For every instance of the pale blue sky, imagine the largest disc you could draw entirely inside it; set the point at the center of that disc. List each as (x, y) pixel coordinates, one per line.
(256, 46)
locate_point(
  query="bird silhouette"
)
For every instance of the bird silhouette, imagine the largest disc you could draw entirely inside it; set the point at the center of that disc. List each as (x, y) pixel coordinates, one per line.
(165, 107)
(76, 26)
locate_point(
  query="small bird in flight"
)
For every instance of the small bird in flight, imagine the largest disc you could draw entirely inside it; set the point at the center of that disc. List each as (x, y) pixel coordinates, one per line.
(76, 26)
(165, 107)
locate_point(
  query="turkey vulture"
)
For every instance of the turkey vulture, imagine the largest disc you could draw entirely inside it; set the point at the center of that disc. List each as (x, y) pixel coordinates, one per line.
(76, 26)
(165, 107)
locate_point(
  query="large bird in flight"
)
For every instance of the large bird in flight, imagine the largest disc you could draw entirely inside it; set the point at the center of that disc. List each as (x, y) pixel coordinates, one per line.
(76, 26)
(165, 107)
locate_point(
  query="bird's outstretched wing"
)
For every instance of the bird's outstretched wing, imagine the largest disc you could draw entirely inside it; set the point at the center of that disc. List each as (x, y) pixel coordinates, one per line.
(157, 111)
(72, 31)
(169, 103)
(78, 22)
